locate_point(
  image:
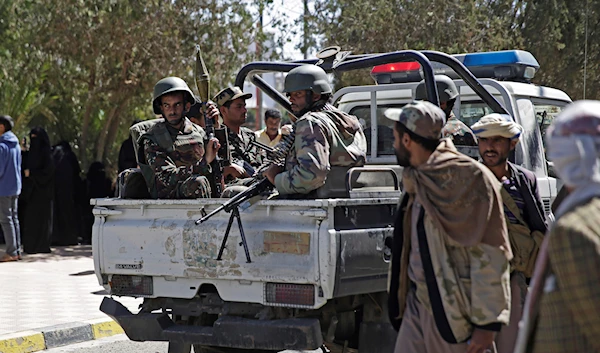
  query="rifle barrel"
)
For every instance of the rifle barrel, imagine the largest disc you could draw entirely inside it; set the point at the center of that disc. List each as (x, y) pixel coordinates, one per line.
(256, 188)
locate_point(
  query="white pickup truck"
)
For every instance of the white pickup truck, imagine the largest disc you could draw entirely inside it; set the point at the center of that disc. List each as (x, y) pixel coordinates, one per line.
(292, 274)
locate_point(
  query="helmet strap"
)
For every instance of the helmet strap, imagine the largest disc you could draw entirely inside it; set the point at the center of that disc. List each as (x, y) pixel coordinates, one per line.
(449, 107)
(308, 98)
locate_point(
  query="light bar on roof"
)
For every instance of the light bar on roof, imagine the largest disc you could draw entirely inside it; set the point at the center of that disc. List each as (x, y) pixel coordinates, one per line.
(514, 65)
(396, 67)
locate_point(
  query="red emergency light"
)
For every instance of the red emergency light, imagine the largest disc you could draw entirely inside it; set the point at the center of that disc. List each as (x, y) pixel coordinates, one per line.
(396, 67)
(515, 65)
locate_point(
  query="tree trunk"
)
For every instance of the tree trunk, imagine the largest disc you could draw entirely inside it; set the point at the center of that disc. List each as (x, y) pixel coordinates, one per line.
(85, 124)
(112, 131)
(103, 136)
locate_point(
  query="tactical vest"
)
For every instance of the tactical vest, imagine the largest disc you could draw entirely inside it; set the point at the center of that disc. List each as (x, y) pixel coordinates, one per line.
(524, 242)
(158, 133)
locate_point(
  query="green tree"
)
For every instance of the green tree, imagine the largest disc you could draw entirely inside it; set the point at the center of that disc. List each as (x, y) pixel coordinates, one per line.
(562, 52)
(94, 63)
(21, 93)
(453, 26)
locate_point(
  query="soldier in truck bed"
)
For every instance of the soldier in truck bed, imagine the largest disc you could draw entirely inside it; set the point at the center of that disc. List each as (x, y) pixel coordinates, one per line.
(454, 128)
(177, 162)
(325, 137)
(245, 157)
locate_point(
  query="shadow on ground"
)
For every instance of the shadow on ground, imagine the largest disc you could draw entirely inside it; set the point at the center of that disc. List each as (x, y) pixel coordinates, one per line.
(58, 253)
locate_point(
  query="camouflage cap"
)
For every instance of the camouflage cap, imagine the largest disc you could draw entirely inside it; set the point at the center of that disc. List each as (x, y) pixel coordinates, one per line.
(229, 94)
(421, 117)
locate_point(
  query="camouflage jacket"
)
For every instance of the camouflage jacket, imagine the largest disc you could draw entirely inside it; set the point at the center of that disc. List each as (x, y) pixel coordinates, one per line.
(322, 139)
(460, 133)
(470, 286)
(242, 152)
(172, 166)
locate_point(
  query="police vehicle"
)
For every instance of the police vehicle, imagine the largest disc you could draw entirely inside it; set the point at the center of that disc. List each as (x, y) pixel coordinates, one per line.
(506, 75)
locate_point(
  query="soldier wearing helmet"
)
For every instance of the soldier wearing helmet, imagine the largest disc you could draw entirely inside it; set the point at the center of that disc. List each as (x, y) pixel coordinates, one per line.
(454, 128)
(325, 137)
(177, 162)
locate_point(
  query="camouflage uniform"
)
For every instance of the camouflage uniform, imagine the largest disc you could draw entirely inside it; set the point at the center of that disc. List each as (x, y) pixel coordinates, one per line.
(242, 152)
(323, 139)
(458, 132)
(179, 171)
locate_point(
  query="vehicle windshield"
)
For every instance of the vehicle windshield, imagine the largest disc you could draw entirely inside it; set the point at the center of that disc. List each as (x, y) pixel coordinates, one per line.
(385, 128)
(471, 112)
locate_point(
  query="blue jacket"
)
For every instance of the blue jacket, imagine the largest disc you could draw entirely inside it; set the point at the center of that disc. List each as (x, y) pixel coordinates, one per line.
(10, 165)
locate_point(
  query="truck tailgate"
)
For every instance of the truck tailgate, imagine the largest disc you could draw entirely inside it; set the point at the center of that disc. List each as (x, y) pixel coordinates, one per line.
(159, 238)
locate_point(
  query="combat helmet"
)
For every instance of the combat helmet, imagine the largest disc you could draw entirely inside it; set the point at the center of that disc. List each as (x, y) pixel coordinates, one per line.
(446, 89)
(307, 77)
(168, 85)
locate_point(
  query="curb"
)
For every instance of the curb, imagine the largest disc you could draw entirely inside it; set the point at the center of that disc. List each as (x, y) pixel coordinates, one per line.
(59, 335)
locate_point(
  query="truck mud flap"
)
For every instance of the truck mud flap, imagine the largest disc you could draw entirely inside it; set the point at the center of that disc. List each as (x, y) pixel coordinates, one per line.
(227, 331)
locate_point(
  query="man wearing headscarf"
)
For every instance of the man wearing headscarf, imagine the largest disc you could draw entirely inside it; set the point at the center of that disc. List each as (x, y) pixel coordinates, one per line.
(449, 284)
(498, 136)
(562, 309)
(38, 191)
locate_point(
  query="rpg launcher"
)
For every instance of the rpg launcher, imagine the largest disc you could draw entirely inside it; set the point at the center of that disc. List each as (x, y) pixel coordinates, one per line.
(203, 86)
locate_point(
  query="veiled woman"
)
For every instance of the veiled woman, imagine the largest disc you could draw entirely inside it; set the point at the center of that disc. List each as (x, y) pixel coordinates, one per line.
(38, 192)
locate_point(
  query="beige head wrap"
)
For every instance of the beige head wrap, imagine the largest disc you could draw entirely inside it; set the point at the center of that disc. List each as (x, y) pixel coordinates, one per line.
(462, 197)
(497, 125)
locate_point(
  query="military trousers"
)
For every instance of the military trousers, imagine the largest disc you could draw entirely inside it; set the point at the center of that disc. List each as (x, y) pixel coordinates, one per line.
(194, 187)
(419, 334)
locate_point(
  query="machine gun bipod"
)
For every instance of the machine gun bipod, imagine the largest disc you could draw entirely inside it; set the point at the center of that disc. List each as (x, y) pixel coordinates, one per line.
(232, 205)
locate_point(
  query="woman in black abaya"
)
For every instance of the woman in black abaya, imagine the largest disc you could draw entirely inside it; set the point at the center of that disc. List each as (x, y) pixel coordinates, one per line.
(68, 186)
(38, 191)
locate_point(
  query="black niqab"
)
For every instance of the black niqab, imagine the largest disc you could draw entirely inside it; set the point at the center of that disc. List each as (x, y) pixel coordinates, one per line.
(38, 189)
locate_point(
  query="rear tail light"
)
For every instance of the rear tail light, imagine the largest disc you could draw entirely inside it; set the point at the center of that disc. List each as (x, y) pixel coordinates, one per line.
(290, 295)
(131, 285)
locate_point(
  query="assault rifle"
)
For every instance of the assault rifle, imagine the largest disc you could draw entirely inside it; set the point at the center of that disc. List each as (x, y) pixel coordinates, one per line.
(232, 205)
(259, 186)
(202, 85)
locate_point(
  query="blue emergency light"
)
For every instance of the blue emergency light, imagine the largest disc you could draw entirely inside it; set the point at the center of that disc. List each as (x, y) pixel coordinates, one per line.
(513, 65)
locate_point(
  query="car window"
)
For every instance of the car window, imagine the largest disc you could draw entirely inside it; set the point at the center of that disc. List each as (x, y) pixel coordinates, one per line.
(471, 112)
(545, 113)
(385, 128)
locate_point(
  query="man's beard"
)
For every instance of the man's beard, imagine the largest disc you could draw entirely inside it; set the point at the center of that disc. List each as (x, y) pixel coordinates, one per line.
(403, 156)
(499, 160)
(175, 122)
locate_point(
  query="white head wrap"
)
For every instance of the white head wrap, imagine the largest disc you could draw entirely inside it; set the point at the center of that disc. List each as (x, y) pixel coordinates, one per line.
(574, 143)
(497, 125)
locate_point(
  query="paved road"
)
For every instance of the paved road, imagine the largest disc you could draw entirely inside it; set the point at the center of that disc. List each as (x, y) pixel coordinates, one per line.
(114, 344)
(121, 344)
(50, 289)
